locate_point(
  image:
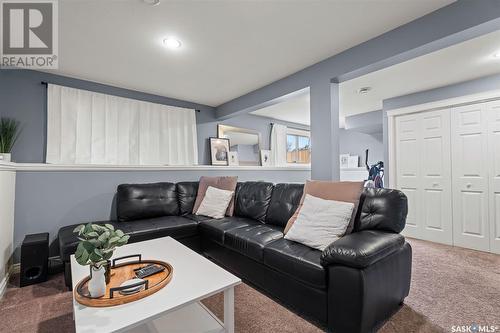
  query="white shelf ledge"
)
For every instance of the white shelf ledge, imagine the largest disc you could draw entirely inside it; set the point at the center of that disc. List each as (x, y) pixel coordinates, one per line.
(61, 167)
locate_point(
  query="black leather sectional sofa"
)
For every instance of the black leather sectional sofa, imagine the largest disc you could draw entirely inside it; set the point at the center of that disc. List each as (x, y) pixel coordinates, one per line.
(354, 285)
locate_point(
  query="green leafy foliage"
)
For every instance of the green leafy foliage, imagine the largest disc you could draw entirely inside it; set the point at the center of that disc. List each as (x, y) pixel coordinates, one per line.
(97, 243)
(9, 132)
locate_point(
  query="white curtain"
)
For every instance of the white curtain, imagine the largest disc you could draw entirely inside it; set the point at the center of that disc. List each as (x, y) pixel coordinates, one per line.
(278, 145)
(85, 127)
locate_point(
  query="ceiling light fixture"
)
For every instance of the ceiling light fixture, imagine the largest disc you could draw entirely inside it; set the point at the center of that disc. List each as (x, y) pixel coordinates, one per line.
(364, 90)
(496, 55)
(152, 2)
(172, 43)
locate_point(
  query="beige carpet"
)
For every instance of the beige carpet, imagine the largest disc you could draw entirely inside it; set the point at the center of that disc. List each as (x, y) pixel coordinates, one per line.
(450, 286)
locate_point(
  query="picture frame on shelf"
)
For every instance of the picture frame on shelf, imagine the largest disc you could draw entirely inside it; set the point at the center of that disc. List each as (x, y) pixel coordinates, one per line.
(219, 151)
(353, 162)
(265, 158)
(233, 159)
(344, 161)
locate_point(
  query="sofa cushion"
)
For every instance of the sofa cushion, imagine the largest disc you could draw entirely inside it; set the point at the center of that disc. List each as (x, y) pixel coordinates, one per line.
(216, 229)
(296, 260)
(141, 201)
(284, 202)
(197, 218)
(175, 226)
(186, 193)
(251, 240)
(252, 200)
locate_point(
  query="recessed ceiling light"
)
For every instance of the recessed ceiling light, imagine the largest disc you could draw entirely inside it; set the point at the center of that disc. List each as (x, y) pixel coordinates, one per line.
(496, 55)
(364, 90)
(172, 43)
(152, 2)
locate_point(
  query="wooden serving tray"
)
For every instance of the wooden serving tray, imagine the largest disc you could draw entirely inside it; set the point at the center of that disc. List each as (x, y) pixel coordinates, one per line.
(119, 274)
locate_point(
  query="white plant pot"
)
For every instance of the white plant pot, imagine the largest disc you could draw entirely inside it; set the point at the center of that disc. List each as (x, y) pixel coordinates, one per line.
(97, 284)
(5, 157)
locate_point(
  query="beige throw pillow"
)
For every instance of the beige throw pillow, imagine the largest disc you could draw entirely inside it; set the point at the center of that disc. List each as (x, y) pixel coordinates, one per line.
(338, 191)
(215, 203)
(222, 183)
(320, 222)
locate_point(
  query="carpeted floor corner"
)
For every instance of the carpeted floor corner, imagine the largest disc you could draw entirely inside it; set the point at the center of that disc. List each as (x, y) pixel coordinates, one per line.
(450, 286)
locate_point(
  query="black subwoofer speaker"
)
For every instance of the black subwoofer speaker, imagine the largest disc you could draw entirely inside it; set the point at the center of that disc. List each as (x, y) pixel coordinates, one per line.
(34, 259)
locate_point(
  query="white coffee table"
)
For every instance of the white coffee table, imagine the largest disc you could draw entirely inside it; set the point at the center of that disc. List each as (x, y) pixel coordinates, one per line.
(176, 307)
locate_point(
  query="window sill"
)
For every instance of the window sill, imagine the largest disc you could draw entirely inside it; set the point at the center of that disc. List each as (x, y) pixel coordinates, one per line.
(60, 167)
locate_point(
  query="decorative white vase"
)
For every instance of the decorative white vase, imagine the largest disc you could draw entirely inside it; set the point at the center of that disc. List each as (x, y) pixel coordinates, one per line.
(5, 157)
(97, 284)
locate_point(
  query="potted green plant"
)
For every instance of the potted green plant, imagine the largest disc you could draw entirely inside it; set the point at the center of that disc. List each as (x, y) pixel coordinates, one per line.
(9, 132)
(96, 247)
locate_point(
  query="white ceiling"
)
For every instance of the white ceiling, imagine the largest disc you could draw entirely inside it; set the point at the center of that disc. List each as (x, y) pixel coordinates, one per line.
(294, 109)
(229, 47)
(461, 62)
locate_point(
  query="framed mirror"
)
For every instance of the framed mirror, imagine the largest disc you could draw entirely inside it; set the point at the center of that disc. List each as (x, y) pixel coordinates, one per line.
(245, 142)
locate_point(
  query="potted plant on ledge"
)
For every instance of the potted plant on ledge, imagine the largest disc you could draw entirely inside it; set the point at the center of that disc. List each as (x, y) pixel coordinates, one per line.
(9, 132)
(96, 247)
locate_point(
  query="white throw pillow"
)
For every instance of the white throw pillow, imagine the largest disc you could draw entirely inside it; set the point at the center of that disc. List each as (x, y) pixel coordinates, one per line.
(215, 203)
(320, 222)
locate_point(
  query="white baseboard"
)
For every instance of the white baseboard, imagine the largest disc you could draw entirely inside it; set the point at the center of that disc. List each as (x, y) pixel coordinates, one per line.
(5, 281)
(3, 284)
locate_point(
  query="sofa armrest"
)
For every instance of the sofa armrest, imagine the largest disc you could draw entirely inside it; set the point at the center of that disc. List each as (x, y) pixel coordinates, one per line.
(361, 249)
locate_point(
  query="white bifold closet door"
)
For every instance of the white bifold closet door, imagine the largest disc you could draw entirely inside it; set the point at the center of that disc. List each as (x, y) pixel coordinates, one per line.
(408, 170)
(470, 176)
(424, 173)
(493, 109)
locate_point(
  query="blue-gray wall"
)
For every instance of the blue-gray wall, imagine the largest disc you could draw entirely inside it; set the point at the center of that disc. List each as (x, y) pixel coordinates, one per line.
(470, 87)
(369, 122)
(355, 143)
(48, 200)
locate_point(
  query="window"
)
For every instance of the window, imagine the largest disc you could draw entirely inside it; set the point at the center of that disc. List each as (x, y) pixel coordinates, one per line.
(85, 127)
(298, 147)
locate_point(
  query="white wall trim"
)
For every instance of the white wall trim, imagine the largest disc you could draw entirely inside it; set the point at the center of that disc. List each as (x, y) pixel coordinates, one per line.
(391, 152)
(3, 285)
(60, 167)
(445, 103)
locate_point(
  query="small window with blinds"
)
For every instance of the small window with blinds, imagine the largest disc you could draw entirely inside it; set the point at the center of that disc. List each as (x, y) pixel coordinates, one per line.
(85, 127)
